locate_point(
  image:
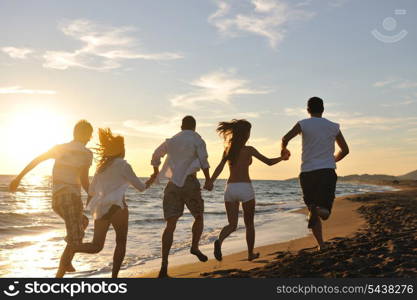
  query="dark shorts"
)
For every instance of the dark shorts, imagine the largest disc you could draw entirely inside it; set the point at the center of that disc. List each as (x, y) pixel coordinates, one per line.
(319, 187)
(176, 197)
(70, 208)
(112, 210)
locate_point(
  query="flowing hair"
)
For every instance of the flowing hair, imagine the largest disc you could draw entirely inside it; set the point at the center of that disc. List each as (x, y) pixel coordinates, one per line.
(235, 134)
(109, 148)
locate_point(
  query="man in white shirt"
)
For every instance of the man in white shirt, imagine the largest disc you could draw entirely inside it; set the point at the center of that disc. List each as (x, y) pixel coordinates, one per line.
(70, 172)
(186, 155)
(318, 177)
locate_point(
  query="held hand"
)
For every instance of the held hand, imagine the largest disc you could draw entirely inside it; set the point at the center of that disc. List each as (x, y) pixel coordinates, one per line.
(208, 185)
(14, 185)
(151, 180)
(285, 154)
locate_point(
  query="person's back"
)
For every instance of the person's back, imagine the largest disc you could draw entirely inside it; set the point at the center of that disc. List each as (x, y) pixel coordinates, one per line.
(318, 143)
(318, 177)
(70, 172)
(70, 158)
(239, 171)
(186, 155)
(182, 151)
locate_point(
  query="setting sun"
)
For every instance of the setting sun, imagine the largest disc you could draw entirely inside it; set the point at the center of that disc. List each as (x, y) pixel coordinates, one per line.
(33, 130)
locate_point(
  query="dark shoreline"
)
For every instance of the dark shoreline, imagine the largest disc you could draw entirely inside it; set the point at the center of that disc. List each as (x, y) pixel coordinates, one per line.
(386, 247)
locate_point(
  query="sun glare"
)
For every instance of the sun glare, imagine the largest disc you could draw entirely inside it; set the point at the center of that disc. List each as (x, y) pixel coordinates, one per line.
(33, 130)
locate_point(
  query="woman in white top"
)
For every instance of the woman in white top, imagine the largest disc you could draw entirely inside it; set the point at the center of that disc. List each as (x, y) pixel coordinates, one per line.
(106, 197)
(239, 186)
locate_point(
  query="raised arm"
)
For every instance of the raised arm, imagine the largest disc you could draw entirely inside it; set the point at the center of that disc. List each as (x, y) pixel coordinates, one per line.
(16, 181)
(266, 160)
(296, 130)
(344, 148)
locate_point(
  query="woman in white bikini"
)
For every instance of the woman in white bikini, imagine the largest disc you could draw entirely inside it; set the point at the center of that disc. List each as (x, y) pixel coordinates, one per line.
(239, 186)
(106, 197)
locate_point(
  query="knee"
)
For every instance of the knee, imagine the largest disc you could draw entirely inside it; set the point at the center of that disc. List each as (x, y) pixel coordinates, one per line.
(249, 224)
(97, 248)
(233, 226)
(198, 218)
(170, 227)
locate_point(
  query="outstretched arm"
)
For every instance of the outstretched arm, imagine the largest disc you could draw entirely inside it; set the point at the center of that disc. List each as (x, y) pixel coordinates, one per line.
(16, 181)
(131, 177)
(296, 130)
(344, 148)
(266, 160)
(219, 169)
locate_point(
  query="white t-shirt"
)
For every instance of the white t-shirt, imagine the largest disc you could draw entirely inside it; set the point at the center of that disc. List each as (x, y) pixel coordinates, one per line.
(187, 153)
(109, 186)
(70, 158)
(319, 136)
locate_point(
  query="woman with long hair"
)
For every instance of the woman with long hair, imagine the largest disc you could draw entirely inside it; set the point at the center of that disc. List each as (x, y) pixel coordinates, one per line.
(239, 186)
(106, 196)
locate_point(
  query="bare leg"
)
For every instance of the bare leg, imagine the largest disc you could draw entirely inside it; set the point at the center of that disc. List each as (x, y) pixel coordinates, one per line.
(197, 230)
(249, 215)
(120, 222)
(167, 238)
(65, 261)
(232, 210)
(317, 232)
(100, 231)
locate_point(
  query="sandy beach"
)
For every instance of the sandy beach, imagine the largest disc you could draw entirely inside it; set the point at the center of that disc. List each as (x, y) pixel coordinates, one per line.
(368, 235)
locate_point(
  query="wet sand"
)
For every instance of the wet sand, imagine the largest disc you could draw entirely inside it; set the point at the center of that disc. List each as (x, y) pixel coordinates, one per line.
(368, 235)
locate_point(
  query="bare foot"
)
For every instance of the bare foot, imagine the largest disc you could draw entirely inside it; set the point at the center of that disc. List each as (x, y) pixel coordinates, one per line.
(70, 268)
(199, 254)
(322, 247)
(163, 273)
(218, 250)
(253, 256)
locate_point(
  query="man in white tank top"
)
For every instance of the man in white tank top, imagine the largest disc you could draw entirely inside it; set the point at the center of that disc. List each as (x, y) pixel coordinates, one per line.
(318, 177)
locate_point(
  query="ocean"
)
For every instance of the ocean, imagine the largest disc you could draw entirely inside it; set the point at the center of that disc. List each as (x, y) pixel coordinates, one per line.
(32, 236)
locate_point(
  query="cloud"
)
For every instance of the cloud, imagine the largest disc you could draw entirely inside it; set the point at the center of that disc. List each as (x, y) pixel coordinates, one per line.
(104, 47)
(375, 122)
(15, 90)
(18, 53)
(304, 3)
(403, 103)
(265, 18)
(215, 87)
(396, 83)
(356, 120)
(406, 84)
(384, 83)
(338, 3)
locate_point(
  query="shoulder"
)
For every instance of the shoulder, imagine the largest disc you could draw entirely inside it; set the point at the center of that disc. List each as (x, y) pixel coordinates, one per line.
(331, 123)
(249, 149)
(199, 140)
(302, 123)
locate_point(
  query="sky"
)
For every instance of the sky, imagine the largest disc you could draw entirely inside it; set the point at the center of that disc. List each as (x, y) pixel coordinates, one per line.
(138, 67)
